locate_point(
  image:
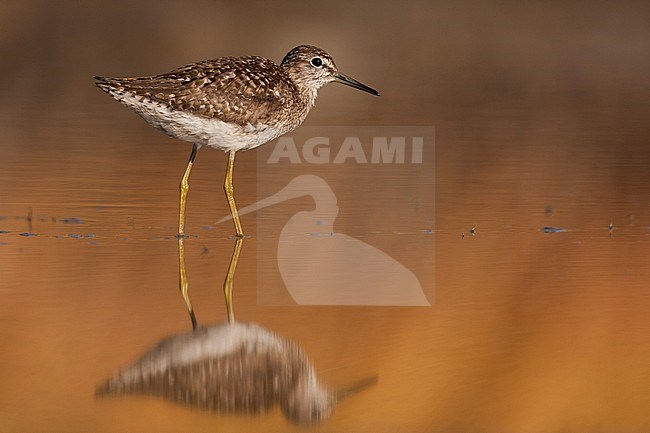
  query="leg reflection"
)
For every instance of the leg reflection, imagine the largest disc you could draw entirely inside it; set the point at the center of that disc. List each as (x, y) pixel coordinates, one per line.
(183, 284)
(227, 284)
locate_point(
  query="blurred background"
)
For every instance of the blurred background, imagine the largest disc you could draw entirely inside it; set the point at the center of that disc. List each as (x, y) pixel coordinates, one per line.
(541, 114)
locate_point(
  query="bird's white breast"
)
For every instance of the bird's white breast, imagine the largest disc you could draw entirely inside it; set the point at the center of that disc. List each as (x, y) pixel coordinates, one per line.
(188, 127)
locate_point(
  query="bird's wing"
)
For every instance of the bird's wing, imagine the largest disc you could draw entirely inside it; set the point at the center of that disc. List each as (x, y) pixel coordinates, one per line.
(242, 90)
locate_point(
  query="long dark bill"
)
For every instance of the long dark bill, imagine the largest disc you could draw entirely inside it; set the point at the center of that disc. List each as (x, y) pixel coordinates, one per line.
(348, 81)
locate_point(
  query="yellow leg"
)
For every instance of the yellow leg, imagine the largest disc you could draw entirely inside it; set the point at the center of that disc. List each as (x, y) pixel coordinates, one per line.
(183, 283)
(227, 284)
(185, 187)
(227, 187)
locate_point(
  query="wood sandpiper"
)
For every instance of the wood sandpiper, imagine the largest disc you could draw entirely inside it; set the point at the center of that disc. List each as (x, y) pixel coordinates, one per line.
(231, 104)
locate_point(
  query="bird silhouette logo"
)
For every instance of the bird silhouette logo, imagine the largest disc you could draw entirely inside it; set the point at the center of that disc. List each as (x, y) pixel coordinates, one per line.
(322, 267)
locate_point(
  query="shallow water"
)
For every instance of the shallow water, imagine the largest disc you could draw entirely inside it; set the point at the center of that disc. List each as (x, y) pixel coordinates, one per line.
(523, 323)
(535, 263)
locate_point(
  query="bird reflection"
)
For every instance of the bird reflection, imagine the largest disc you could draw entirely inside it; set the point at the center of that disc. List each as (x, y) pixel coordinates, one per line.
(231, 368)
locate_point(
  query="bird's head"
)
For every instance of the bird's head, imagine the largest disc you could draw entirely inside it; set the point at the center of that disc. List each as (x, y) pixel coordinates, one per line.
(309, 402)
(313, 67)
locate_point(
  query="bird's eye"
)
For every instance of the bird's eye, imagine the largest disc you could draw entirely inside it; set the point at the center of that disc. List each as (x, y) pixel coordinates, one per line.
(317, 62)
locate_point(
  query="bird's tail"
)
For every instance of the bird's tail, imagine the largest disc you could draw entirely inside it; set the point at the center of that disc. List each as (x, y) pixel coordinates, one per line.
(106, 84)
